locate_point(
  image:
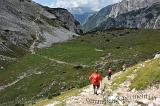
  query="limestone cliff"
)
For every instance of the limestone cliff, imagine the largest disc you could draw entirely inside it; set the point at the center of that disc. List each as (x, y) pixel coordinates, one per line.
(115, 10)
(26, 25)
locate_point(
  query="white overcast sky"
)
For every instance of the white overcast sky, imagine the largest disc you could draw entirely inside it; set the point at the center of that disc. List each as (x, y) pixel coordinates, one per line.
(68, 4)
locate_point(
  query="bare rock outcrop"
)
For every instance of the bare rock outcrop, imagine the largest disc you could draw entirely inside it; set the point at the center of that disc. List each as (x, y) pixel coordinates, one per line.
(144, 14)
(26, 25)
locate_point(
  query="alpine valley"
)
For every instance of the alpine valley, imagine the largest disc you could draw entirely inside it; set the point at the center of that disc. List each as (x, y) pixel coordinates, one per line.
(46, 55)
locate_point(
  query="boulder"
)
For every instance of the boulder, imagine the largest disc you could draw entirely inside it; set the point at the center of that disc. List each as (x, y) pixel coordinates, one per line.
(157, 56)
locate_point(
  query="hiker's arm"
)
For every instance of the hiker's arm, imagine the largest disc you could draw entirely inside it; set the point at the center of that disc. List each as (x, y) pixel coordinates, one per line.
(90, 77)
(100, 84)
(101, 81)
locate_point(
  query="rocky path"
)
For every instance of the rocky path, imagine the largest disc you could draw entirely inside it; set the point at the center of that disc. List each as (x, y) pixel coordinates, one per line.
(63, 62)
(147, 97)
(28, 73)
(38, 33)
(121, 96)
(21, 77)
(87, 97)
(32, 47)
(14, 82)
(2, 57)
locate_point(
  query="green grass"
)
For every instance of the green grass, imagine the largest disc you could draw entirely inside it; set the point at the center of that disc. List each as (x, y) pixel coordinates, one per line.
(22, 65)
(145, 76)
(61, 98)
(35, 86)
(15, 52)
(128, 46)
(148, 75)
(122, 77)
(125, 46)
(72, 52)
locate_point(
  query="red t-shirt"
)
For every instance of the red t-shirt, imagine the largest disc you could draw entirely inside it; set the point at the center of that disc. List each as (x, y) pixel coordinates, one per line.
(95, 78)
(110, 71)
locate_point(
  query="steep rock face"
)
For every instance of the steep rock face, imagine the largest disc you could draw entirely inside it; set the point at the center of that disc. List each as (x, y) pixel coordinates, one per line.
(112, 11)
(26, 25)
(129, 5)
(94, 20)
(68, 19)
(148, 17)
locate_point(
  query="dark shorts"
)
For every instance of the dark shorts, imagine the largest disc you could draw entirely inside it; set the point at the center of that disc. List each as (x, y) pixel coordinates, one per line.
(109, 75)
(94, 86)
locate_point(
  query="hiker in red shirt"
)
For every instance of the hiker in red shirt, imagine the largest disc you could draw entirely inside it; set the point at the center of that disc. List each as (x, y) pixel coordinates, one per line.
(95, 79)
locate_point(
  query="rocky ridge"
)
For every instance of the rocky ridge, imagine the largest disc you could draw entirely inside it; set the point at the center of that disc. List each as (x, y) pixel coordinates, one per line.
(148, 18)
(124, 7)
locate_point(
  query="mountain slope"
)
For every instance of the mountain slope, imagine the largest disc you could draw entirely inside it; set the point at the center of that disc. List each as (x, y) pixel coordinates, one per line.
(113, 11)
(148, 17)
(25, 25)
(136, 76)
(94, 20)
(67, 65)
(82, 18)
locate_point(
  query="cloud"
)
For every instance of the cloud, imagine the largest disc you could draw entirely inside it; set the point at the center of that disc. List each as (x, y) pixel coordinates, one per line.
(45, 2)
(94, 5)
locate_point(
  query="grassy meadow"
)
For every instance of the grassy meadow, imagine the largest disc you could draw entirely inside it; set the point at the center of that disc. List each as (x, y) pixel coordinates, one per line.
(38, 76)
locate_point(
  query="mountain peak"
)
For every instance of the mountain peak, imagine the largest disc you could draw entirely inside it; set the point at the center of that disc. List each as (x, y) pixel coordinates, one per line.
(111, 16)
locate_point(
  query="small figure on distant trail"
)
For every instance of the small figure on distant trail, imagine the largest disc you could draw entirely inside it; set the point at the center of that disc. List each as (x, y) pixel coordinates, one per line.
(124, 67)
(97, 65)
(109, 73)
(96, 80)
(106, 66)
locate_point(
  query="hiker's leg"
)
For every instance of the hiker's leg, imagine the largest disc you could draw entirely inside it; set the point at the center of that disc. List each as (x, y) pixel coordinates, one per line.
(97, 89)
(94, 87)
(108, 77)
